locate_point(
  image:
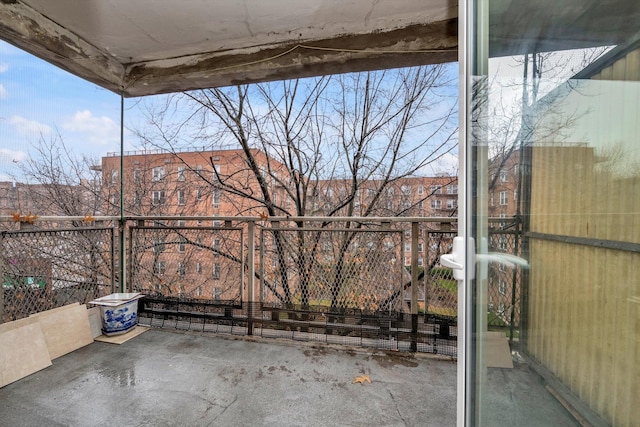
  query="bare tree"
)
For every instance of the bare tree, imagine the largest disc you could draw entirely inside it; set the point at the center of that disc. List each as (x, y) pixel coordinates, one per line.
(314, 146)
(61, 183)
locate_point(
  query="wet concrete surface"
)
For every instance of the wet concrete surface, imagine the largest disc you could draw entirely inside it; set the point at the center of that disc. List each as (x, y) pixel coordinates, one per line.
(163, 378)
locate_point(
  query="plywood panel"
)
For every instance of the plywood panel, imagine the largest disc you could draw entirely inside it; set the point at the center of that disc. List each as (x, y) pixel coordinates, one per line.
(121, 339)
(24, 350)
(65, 329)
(95, 320)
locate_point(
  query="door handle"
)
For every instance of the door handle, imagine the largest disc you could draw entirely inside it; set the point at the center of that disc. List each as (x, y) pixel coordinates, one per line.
(457, 258)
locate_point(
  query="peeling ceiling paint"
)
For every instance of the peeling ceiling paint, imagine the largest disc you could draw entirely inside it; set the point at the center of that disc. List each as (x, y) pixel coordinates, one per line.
(145, 47)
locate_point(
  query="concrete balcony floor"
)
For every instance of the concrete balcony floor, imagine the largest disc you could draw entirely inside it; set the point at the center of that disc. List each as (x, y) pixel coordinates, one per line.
(165, 378)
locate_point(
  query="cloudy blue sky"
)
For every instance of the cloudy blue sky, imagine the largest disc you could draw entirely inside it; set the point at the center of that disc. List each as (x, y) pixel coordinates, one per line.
(38, 100)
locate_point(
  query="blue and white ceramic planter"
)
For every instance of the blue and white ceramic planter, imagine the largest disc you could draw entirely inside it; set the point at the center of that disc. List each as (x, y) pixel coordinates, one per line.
(119, 312)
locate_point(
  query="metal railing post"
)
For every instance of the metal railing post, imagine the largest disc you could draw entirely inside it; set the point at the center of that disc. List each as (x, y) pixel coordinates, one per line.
(251, 272)
(2, 278)
(414, 285)
(113, 257)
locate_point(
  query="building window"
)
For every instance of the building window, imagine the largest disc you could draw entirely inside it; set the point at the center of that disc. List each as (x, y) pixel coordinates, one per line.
(452, 204)
(436, 189)
(452, 189)
(421, 204)
(217, 292)
(137, 176)
(216, 173)
(503, 176)
(199, 291)
(436, 204)
(160, 268)
(158, 173)
(407, 247)
(420, 247)
(216, 271)
(180, 173)
(502, 287)
(181, 197)
(114, 176)
(216, 247)
(420, 190)
(182, 269)
(215, 197)
(158, 197)
(503, 197)
(515, 195)
(199, 170)
(158, 245)
(198, 268)
(406, 190)
(182, 245)
(182, 223)
(502, 242)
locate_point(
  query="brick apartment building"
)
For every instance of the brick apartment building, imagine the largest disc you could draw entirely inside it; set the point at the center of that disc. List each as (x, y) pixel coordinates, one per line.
(504, 280)
(222, 183)
(49, 199)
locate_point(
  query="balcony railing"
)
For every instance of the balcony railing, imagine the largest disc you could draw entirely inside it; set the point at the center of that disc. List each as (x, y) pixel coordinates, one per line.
(373, 282)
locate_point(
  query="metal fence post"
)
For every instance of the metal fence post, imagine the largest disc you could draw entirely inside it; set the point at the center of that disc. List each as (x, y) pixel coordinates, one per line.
(414, 285)
(2, 278)
(251, 271)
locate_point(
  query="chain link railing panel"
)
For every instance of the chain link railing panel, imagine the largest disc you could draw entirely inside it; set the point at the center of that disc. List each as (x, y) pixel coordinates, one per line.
(188, 263)
(43, 269)
(504, 279)
(333, 268)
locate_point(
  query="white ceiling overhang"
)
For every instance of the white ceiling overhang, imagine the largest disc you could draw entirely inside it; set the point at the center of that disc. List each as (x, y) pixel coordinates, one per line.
(143, 47)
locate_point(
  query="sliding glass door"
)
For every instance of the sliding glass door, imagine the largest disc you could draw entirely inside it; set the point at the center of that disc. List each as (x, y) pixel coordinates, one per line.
(551, 164)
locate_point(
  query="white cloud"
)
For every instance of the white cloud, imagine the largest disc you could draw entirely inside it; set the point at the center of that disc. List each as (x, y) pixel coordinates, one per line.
(26, 127)
(3, 91)
(97, 130)
(447, 164)
(3, 68)
(11, 156)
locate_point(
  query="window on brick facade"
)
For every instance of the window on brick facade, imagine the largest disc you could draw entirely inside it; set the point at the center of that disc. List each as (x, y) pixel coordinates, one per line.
(503, 197)
(158, 173)
(215, 198)
(158, 197)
